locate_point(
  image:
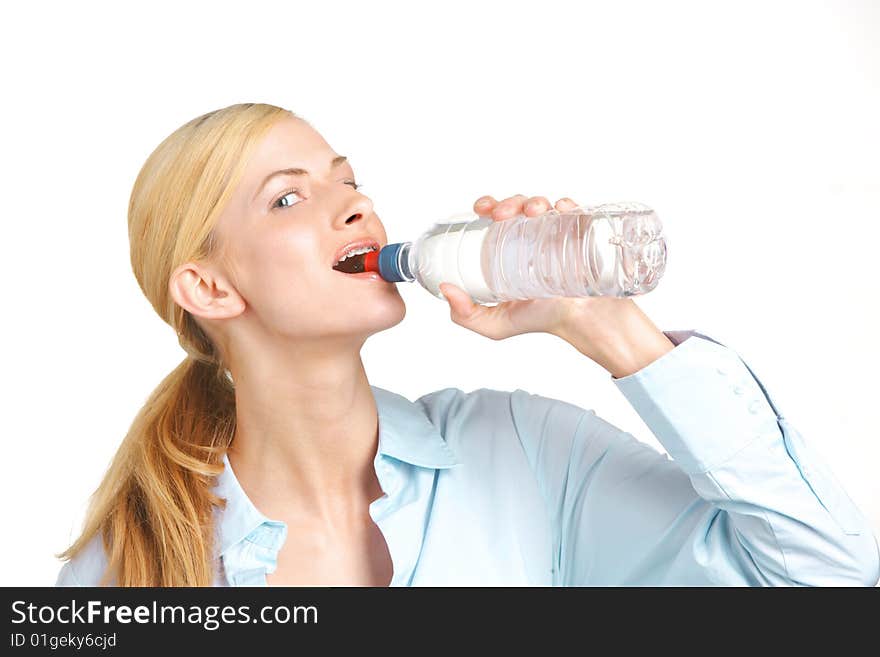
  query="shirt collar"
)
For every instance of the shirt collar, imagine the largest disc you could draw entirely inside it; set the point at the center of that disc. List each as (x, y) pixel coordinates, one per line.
(406, 433)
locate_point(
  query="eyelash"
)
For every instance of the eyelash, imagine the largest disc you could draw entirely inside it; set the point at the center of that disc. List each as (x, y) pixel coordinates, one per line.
(351, 183)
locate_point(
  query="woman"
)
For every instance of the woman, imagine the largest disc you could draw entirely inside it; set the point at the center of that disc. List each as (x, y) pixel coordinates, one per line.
(266, 457)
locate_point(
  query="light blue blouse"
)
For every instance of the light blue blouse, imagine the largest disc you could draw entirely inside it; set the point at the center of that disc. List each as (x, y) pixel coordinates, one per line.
(500, 488)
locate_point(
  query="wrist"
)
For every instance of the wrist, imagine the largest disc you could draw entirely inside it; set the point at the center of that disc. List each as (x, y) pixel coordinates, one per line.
(614, 333)
(630, 357)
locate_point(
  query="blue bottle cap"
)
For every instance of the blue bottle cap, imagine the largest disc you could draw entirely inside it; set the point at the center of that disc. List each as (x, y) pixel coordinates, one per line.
(388, 259)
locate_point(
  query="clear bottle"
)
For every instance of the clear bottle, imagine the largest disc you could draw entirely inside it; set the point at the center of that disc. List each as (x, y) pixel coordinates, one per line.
(615, 249)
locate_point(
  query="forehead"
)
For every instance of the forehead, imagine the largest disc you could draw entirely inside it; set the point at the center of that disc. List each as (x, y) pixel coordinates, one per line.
(289, 143)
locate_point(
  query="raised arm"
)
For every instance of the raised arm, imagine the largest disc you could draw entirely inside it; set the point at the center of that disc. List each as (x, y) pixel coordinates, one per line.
(744, 500)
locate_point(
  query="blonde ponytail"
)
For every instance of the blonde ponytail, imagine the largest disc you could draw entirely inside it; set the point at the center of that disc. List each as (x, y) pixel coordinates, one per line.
(154, 508)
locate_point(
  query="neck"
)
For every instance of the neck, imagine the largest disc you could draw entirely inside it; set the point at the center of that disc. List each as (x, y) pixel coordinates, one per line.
(306, 434)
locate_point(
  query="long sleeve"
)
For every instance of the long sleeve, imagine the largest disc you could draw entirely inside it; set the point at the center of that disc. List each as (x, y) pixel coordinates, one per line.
(743, 502)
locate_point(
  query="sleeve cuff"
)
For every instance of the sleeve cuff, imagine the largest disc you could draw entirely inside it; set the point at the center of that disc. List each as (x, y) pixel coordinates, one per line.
(701, 401)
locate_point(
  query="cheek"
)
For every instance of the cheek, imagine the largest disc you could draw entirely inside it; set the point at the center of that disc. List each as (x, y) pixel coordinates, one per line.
(280, 268)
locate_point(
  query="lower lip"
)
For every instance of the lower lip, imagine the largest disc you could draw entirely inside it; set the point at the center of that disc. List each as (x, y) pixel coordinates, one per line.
(368, 275)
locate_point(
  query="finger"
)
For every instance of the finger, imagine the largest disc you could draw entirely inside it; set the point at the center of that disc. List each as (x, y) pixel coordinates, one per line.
(536, 205)
(484, 205)
(509, 207)
(481, 319)
(565, 203)
(461, 305)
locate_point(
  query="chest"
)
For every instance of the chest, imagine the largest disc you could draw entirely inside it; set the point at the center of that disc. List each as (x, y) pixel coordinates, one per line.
(361, 558)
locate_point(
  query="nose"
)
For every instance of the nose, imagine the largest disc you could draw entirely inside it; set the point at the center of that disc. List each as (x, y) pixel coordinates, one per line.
(356, 209)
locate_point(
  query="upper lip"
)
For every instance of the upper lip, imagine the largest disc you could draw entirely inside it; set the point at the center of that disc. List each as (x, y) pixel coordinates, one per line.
(354, 244)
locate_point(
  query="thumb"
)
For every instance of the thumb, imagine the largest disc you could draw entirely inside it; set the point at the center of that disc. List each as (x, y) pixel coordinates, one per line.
(459, 301)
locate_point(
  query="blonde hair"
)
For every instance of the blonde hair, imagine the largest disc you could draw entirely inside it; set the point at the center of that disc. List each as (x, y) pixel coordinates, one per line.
(154, 508)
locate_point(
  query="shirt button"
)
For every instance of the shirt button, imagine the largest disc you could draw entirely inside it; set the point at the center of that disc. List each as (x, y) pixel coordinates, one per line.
(722, 370)
(737, 390)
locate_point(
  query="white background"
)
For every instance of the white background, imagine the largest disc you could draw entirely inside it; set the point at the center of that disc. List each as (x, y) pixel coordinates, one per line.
(750, 127)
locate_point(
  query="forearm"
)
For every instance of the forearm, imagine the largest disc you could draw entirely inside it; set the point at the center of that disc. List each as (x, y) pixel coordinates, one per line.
(613, 332)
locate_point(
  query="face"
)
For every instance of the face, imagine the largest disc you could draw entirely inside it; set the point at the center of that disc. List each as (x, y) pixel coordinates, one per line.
(280, 234)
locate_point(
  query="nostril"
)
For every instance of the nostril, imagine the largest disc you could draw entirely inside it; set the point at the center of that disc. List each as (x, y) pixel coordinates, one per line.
(352, 218)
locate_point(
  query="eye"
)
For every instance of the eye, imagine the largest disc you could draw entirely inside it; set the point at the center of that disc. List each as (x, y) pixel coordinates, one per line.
(282, 203)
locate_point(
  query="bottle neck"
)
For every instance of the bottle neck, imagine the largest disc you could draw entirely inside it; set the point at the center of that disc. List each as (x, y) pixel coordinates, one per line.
(404, 264)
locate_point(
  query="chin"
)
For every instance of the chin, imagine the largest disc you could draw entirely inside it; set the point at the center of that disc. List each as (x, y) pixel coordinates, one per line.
(385, 313)
(375, 317)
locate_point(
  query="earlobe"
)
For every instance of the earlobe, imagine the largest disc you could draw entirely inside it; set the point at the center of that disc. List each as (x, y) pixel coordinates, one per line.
(195, 289)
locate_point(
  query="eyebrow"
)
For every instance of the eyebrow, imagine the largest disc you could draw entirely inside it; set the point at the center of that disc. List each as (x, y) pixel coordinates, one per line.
(335, 162)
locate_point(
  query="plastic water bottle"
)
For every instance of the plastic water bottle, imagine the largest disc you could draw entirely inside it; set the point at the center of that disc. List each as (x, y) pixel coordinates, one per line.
(615, 249)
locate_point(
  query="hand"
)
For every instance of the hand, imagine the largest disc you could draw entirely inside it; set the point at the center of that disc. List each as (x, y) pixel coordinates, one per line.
(509, 318)
(614, 332)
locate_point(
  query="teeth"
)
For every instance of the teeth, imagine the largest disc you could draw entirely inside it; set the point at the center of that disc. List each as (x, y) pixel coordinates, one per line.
(365, 249)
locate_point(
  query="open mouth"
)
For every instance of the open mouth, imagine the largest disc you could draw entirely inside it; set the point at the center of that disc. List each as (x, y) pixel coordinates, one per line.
(354, 261)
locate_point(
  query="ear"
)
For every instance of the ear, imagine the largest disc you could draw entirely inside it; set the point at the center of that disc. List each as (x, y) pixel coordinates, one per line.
(203, 293)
